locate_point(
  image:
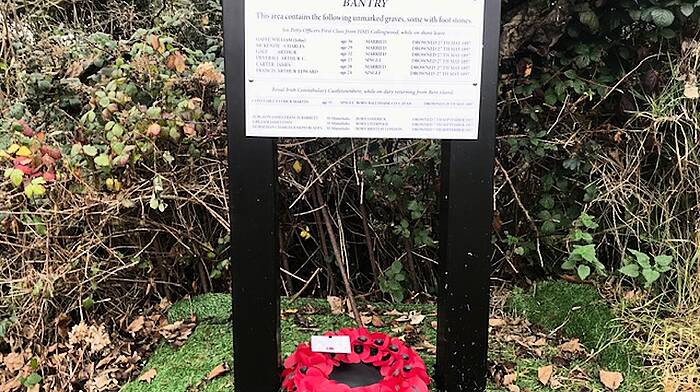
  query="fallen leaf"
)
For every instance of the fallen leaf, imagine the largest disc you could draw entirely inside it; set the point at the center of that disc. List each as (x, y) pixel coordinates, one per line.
(24, 152)
(434, 324)
(153, 130)
(366, 319)
(148, 376)
(393, 312)
(509, 379)
(155, 42)
(496, 322)
(217, 371)
(612, 380)
(74, 70)
(136, 325)
(10, 386)
(336, 304)
(691, 91)
(14, 362)
(176, 62)
(377, 321)
(544, 374)
(297, 166)
(513, 388)
(189, 130)
(416, 318)
(572, 346)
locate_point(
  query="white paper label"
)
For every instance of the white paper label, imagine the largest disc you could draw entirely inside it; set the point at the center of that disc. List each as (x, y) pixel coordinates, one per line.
(331, 344)
(363, 68)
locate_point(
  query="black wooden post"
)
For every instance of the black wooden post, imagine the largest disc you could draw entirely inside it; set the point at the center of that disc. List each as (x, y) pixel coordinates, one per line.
(466, 215)
(255, 252)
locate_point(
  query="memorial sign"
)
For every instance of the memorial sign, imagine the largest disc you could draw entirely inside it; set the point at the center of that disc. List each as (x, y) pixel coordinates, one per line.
(365, 69)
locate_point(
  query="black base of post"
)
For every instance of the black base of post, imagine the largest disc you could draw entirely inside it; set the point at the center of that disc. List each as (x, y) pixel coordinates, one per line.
(255, 252)
(466, 218)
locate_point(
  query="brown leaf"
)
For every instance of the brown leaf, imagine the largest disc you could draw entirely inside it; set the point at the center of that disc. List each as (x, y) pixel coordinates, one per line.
(691, 91)
(189, 130)
(377, 321)
(434, 324)
(136, 325)
(176, 62)
(10, 386)
(217, 371)
(153, 130)
(336, 304)
(509, 379)
(496, 322)
(74, 70)
(155, 42)
(572, 346)
(612, 380)
(544, 374)
(14, 362)
(148, 376)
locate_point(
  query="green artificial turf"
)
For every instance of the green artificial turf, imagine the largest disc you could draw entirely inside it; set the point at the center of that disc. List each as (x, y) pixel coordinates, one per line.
(575, 311)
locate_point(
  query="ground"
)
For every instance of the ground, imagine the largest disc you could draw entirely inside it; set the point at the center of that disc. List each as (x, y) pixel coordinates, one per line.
(529, 331)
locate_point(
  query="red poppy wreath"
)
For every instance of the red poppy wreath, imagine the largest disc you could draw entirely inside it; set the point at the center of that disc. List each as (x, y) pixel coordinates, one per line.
(377, 363)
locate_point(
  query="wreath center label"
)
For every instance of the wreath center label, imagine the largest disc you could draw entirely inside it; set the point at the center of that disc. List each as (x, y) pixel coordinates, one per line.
(331, 344)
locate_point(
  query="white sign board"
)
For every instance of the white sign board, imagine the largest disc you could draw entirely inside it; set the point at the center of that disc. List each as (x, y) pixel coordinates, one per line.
(363, 68)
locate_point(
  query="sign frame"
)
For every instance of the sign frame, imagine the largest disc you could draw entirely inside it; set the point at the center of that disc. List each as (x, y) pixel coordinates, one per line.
(466, 213)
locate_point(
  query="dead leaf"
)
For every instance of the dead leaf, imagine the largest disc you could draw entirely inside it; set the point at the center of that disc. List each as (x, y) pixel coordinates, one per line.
(14, 362)
(691, 91)
(178, 332)
(496, 322)
(612, 380)
(136, 325)
(148, 376)
(189, 130)
(336, 304)
(10, 386)
(154, 41)
(513, 388)
(217, 371)
(434, 324)
(393, 312)
(176, 62)
(366, 319)
(416, 318)
(572, 346)
(377, 321)
(74, 70)
(509, 379)
(544, 374)
(153, 130)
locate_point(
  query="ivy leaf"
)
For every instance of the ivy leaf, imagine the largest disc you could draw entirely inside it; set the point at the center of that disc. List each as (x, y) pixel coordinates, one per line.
(90, 151)
(662, 17)
(663, 260)
(569, 264)
(583, 271)
(650, 275)
(102, 161)
(687, 9)
(586, 252)
(631, 270)
(642, 258)
(590, 19)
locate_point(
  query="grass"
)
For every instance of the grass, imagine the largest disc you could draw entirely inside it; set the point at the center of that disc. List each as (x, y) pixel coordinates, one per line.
(578, 311)
(586, 317)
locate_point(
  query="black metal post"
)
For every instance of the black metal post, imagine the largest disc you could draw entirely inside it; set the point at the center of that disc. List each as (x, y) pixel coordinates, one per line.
(466, 215)
(255, 253)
